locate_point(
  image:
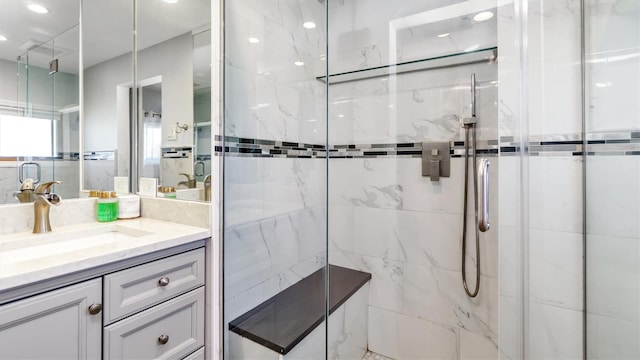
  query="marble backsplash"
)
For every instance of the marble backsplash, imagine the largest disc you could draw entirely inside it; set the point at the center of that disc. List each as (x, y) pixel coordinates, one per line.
(19, 217)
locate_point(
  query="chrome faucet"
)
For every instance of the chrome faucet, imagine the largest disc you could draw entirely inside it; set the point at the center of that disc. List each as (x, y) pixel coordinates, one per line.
(207, 188)
(44, 200)
(190, 182)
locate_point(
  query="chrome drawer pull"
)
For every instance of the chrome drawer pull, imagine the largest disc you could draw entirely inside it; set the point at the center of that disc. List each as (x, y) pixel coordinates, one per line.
(163, 339)
(164, 281)
(95, 309)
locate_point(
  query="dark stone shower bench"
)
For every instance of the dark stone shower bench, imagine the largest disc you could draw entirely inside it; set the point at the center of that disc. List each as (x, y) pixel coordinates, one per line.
(281, 322)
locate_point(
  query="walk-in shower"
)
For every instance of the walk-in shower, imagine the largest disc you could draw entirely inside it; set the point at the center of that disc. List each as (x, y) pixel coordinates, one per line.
(329, 109)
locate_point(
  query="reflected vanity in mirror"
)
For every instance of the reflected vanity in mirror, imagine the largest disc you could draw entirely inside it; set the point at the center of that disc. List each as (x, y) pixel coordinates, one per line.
(39, 102)
(159, 130)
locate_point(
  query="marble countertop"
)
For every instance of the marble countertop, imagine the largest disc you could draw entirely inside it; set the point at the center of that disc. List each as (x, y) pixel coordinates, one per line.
(27, 258)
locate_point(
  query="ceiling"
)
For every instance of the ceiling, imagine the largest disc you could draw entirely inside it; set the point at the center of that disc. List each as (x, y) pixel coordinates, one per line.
(107, 28)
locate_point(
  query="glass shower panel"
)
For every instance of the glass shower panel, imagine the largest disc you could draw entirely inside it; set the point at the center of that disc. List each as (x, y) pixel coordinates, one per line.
(274, 179)
(35, 116)
(401, 81)
(612, 129)
(66, 111)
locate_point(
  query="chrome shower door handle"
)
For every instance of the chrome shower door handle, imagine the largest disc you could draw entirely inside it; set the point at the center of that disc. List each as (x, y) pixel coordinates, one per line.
(483, 195)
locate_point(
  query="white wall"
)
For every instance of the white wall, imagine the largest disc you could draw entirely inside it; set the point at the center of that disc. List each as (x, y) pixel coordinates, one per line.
(106, 102)
(172, 60)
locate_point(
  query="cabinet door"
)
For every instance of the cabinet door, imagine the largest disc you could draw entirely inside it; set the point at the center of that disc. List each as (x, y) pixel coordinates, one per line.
(53, 325)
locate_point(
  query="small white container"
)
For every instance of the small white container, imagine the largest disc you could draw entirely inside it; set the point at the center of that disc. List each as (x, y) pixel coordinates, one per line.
(129, 207)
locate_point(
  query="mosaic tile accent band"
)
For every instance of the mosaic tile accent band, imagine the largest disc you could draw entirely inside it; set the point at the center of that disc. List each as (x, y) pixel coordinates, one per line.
(619, 143)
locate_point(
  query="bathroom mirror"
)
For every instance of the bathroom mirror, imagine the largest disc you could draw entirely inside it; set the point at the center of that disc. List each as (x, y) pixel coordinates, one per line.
(39, 102)
(148, 132)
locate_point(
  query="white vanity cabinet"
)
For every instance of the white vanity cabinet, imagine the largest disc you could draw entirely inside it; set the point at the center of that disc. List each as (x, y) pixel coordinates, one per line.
(155, 310)
(149, 310)
(55, 325)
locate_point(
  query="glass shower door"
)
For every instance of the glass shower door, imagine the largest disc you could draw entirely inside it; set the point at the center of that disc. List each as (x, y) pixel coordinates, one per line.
(274, 179)
(400, 84)
(612, 68)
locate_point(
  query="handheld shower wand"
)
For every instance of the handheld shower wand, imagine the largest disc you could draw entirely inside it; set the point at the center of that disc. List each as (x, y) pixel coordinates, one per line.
(469, 125)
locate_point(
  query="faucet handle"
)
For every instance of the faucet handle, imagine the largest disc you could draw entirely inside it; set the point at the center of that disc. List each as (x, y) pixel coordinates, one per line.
(46, 187)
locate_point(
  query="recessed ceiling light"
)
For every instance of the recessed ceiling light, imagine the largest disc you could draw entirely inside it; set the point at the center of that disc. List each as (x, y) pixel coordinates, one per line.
(309, 25)
(38, 8)
(443, 35)
(170, 1)
(3, 38)
(340, 115)
(254, 40)
(298, 63)
(483, 16)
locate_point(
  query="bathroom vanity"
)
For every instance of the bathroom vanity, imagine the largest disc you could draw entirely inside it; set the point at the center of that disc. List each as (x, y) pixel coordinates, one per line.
(124, 290)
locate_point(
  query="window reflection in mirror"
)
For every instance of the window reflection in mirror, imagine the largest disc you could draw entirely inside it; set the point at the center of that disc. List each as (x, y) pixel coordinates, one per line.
(39, 102)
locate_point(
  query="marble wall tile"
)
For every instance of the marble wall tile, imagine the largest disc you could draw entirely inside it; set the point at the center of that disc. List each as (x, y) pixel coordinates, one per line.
(554, 87)
(428, 291)
(510, 253)
(511, 328)
(555, 193)
(258, 188)
(613, 193)
(611, 338)
(178, 211)
(383, 332)
(612, 66)
(477, 346)
(554, 333)
(8, 184)
(408, 236)
(394, 183)
(413, 107)
(613, 277)
(19, 217)
(341, 228)
(416, 335)
(387, 278)
(171, 168)
(284, 100)
(403, 337)
(291, 184)
(556, 268)
(243, 189)
(99, 174)
(265, 257)
(347, 327)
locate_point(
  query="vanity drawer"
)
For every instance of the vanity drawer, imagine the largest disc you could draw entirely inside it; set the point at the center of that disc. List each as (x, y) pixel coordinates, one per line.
(171, 330)
(198, 355)
(129, 291)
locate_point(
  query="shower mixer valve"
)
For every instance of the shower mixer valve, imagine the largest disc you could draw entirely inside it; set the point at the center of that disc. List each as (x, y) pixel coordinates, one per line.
(436, 162)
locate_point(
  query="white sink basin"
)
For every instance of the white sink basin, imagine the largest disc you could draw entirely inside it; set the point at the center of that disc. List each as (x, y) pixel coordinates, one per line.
(26, 247)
